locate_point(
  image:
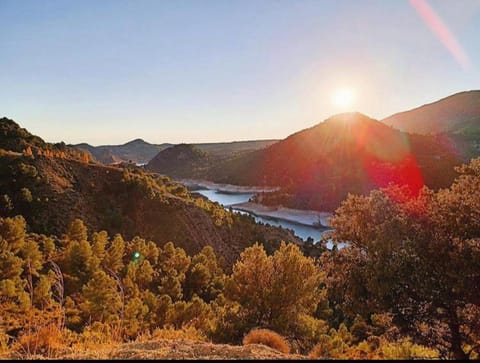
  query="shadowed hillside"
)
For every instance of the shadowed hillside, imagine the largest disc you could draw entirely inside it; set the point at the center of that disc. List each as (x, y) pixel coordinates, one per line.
(316, 168)
(180, 161)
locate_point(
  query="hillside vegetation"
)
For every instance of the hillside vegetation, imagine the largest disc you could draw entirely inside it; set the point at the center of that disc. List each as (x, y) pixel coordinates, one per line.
(404, 286)
(50, 191)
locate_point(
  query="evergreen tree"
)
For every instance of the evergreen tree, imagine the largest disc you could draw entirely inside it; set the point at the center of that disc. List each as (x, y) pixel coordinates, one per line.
(77, 231)
(113, 260)
(100, 299)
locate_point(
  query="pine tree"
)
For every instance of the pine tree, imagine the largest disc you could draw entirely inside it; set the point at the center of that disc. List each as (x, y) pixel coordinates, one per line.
(78, 264)
(13, 231)
(204, 277)
(280, 292)
(77, 231)
(114, 256)
(100, 299)
(99, 243)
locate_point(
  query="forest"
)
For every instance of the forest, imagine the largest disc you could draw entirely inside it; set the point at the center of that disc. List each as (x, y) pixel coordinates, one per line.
(404, 287)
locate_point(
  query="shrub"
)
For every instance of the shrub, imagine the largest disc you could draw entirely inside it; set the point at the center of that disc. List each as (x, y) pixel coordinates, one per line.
(405, 349)
(268, 338)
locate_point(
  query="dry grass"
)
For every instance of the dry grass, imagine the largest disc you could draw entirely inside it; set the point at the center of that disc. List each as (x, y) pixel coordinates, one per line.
(3, 342)
(318, 351)
(170, 333)
(268, 338)
(46, 341)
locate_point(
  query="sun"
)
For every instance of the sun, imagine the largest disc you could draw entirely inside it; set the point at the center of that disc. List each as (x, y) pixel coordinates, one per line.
(343, 98)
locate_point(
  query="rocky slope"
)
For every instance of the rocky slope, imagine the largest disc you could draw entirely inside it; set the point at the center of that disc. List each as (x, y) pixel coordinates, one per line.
(170, 349)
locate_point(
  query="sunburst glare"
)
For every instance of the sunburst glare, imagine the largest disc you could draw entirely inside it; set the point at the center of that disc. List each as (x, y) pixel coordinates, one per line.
(344, 98)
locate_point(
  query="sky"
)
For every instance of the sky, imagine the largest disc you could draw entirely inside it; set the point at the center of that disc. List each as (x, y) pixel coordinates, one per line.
(106, 72)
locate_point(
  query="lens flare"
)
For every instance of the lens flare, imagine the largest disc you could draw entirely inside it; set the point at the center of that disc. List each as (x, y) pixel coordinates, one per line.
(440, 29)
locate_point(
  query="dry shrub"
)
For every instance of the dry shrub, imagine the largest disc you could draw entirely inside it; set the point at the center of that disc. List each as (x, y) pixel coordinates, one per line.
(268, 338)
(46, 341)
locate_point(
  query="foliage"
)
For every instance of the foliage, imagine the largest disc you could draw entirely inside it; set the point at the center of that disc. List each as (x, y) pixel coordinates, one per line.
(338, 345)
(404, 287)
(416, 257)
(280, 292)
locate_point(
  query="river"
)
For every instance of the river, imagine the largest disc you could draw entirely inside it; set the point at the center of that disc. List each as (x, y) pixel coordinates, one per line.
(228, 199)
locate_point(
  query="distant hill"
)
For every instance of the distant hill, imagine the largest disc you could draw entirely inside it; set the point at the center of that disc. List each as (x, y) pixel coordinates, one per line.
(50, 190)
(136, 151)
(234, 148)
(180, 161)
(350, 153)
(139, 151)
(449, 114)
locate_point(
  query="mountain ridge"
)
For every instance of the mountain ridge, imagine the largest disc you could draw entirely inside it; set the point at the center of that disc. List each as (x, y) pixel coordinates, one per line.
(141, 152)
(438, 116)
(317, 167)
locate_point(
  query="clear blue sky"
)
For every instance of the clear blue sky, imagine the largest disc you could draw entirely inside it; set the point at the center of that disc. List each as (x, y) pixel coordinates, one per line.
(197, 71)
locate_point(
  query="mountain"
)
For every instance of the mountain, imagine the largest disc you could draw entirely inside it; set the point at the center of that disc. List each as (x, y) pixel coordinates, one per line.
(184, 160)
(349, 153)
(139, 151)
(50, 190)
(194, 160)
(448, 115)
(136, 151)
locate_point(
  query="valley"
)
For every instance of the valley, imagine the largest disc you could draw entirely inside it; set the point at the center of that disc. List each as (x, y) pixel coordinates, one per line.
(240, 180)
(189, 254)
